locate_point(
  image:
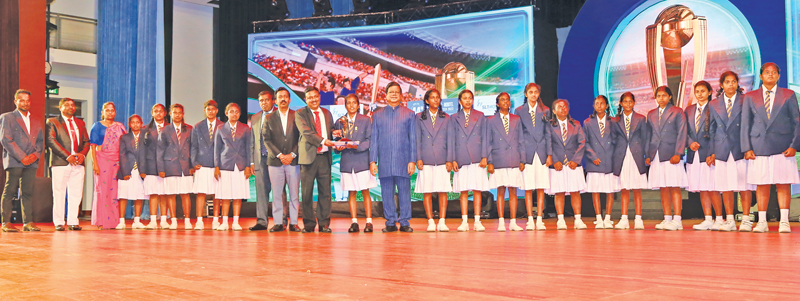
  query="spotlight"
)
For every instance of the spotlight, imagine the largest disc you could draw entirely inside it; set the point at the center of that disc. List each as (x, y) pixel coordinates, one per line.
(322, 8)
(361, 6)
(278, 10)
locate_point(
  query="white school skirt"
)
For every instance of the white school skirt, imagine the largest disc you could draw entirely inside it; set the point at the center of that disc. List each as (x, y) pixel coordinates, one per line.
(178, 185)
(508, 177)
(153, 185)
(470, 177)
(566, 180)
(665, 174)
(358, 181)
(629, 176)
(535, 175)
(432, 179)
(731, 175)
(233, 185)
(601, 182)
(700, 175)
(775, 169)
(204, 181)
(133, 188)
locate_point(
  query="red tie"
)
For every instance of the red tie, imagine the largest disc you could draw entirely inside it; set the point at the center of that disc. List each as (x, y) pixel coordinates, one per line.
(74, 137)
(318, 126)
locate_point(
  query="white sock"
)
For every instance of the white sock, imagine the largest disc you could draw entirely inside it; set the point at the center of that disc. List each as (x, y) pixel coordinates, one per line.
(216, 219)
(136, 220)
(502, 221)
(354, 220)
(599, 217)
(638, 217)
(577, 216)
(745, 218)
(729, 217)
(676, 218)
(188, 220)
(174, 220)
(236, 219)
(369, 220)
(225, 219)
(121, 219)
(430, 221)
(719, 218)
(153, 218)
(762, 216)
(608, 217)
(513, 220)
(561, 217)
(624, 217)
(441, 220)
(199, 219)
(464, 217)
(668, 218)
(538, 219)
(708, 218)
(164, 218)
(477, 218)
(785, 215)
(530, 219)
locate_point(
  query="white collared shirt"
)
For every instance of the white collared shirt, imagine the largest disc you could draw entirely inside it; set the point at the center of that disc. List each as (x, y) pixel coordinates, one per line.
(284, 119)
(322, 127)
(532, 109)
(731, 99)
(563, 124)
(27, 120)
(69, 132)
(177, 128)
(661, 110)
(211, 124)
(603, 120)
(771, 96)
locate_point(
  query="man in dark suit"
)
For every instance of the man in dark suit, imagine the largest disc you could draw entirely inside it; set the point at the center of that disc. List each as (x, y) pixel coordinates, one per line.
(280, 136)
(266, 101)
(315, 150)
(22, 140)
(68, 142)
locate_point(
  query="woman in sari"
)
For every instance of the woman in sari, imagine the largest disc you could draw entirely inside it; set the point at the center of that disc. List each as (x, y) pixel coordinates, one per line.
(104, 139)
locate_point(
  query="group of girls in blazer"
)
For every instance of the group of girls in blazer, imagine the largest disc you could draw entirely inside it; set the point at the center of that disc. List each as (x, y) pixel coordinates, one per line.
(162, 160)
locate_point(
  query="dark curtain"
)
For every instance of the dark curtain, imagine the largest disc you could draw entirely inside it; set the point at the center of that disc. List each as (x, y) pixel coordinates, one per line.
(545, 57)
(168, 24)
(9, 59)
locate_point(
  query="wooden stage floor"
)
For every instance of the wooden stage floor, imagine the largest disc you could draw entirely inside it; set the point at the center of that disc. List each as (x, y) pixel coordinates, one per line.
(566, 265)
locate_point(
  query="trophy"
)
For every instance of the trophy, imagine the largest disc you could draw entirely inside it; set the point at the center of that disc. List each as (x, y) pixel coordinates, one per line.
(346, 133)
(453, 76)
(674, 28)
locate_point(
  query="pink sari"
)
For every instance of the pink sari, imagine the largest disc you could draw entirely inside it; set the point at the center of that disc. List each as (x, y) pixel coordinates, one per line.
(105, 208)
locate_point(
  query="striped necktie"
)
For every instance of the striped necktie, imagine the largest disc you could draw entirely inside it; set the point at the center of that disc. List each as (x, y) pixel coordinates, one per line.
(433, 120)
(602, 128)
(564, 133)
(178, 133)
(729, 106)
(466, 117)
(233, 133)
(136, 146)
(660, 112)
(533, 118)
(211, 132)
(767, 103)
(697, 119)
(627, 126)
(505, 123)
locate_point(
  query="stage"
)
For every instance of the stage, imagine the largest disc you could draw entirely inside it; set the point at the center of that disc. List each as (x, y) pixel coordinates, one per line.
(584, 264)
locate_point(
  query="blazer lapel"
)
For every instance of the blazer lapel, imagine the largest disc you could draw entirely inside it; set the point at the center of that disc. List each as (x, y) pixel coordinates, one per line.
(21, 123)
(735, 111)
(777, 105)
(594, 127)
(428, 124)
(664, 116)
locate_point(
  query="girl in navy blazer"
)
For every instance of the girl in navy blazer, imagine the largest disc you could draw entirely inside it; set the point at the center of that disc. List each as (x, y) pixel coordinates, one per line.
(232, 153)
(600, 176)
(536, 176)
(174, 160)
(699, 163)
(470, 151)
(566, 174)
(130, 183)
(730, 167)
(202, 157)
(434, 158)
(153, 183)
(631, 136)
(354, 161)
(667, 125)
(506, 158)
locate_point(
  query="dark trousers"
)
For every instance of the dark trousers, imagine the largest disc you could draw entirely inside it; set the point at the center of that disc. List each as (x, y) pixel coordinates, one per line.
(319, 170)
(403, 185)
(263, 188)
(16, 178)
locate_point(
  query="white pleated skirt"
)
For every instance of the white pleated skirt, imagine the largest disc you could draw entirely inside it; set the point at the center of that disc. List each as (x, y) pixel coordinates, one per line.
(133, 188)
(470, 177)
(535, 175)
(665, 174)
(153, 185)
(731, 175)
(358, 181)
(566, 180)
(433, 179)
(700, 175)
(233, 185)
(508, 177)
(629, 176)
(775, 169)
(204, 181)
(601, 183)
(178, 185)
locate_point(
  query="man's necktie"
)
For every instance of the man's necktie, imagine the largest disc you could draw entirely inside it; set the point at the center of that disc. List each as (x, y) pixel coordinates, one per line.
(73, 135)
(318, 127)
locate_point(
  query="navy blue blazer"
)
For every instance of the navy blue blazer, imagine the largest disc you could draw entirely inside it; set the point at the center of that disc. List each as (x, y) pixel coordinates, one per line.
(202, 145)
(507, 150)
(726, 132)
(638, 141)
(599, 146)
(233, 151)
(151, 138)
(535, 138)
(701, 137)
(770, 136)
(668, 136)
(355, 160)
(470, 144)
(17, 142)
(130, 154)
(573, 148)
(433, 142)
(174, 153)
(394, 141)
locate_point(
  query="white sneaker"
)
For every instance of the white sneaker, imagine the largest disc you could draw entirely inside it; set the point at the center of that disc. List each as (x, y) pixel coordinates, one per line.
(716, 225)
(199, 225)
(784, 228)
(478, 227)
(464, 227)
(501, 227)
(623, 224)
(187, 225)
(673, 225)
(164, 224)
(514, 227)
(761, 227)
(705, 225)
(431, 226)
(728, 226)
(746, 226)
(599, 224)
(152, 225)
(638, 224)
(530, 226)
(579, 225)
(120, 226)
(236, 227)
(561, 225)
(215, 225)
(223, 227)
(660, 226)
(174, 225)
(608, 224)
(441, 227)
(138, 226)
(540, 226)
